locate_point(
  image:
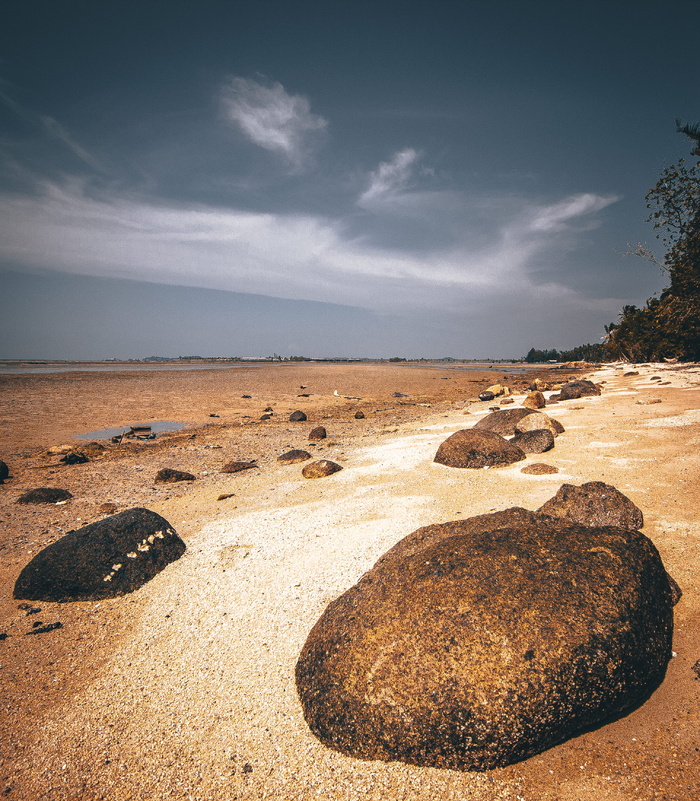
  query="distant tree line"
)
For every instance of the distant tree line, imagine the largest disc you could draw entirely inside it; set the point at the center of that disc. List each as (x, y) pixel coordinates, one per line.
(667, 326)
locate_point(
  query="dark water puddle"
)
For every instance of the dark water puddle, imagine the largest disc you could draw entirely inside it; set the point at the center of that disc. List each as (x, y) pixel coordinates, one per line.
(155, 427)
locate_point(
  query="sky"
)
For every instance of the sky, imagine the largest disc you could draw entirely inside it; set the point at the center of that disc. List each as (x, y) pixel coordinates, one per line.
(340, 178)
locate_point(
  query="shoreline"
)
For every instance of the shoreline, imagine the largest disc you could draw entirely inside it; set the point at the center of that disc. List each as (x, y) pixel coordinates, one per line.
(172, 690)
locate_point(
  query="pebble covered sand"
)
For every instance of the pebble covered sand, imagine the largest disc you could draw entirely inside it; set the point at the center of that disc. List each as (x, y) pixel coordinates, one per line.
(185, 688)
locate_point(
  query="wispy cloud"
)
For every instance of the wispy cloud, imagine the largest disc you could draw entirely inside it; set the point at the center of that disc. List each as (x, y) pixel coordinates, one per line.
(272, 118)
(51, 127)
(390, 177)
(291, 256)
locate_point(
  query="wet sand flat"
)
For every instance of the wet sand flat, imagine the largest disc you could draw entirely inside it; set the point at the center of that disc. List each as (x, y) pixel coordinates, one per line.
(185, 688)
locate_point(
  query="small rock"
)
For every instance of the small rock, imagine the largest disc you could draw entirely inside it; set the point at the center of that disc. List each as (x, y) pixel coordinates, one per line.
(696, 669)
(226, 496)
(294, 457)
(74, 458)
(398, 395)
(648, 401)
(266, 417)
(320, 469)
(4, 472)
(297, 417)
(45, 629)
(486, 395)
(169, 476)
(269, 409)
(246, 396)
(45, 495)
(318, 433)
(359, 415)
(107, 508)
(539, 469)
(236, 467)
(213, 415)
(629, 373)
(506, 401)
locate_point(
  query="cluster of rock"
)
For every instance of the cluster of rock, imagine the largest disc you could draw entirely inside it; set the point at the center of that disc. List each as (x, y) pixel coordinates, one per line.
(478, 643)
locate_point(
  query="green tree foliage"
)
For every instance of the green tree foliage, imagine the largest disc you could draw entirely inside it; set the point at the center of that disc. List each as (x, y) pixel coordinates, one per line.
(668, 326)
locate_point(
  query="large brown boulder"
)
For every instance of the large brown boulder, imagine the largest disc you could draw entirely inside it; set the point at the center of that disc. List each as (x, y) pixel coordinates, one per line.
(320, 469)
(538, 441)
(475, 448)
(577, 389)
(593, 504)
(483, 649)
(105, 559)
(503, 421)
(537, 421)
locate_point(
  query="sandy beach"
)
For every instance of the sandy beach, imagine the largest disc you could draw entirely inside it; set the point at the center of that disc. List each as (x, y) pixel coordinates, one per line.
(185, 688)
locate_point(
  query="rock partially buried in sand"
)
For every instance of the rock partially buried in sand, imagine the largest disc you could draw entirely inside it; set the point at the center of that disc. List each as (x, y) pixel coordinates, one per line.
(4, 472)
(318, 433)
(475, 448)
(320, 469)
(359, 415)
(538, 420)
(593, 504)
(577, 389)
(45, 495)
(535, 400)
(484, 649)
(236, 467)
(539, 469)
(297, 417)
(503, 421)
(105, 559)
(293, 457)
(169, 476)
(538, 441)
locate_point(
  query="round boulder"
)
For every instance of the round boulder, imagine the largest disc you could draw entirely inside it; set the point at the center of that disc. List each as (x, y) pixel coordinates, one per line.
(320, 469)
(503, 421)
(45, 495)
(482, 650)
(578, 389)
(538, 420)
(535, 400)
(105, 559)
(169, 476)
(297, 417)
(537, 441)
(593, 504)
(293, 457)
(318, 433)
(475, 448)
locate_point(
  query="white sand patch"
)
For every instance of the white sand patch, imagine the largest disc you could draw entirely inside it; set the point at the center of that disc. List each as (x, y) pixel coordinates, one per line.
(686, 419)
(602, 445)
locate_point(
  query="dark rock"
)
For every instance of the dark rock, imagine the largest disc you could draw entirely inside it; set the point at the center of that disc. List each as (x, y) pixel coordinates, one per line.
(225, 496)
(486, 648)
(398, 395)
(630, 372)
(593, 504)
(696, 669)
(268, 409)
(105, 559)
(246, 396)
(320, 469)
(266, 417)
(539, 440)
(3, 635)
(293, 457)
(45, 629)
(169, 476)
(236, 467)
(214, 415)
(676, 591)
(4, 472)
(45, 495)
(318, 433)
(475, 448)
(359, 415)
(297, 417)
(539, 469)
(577, 389)
(503, 421)
(74, 458)
(486, 396)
